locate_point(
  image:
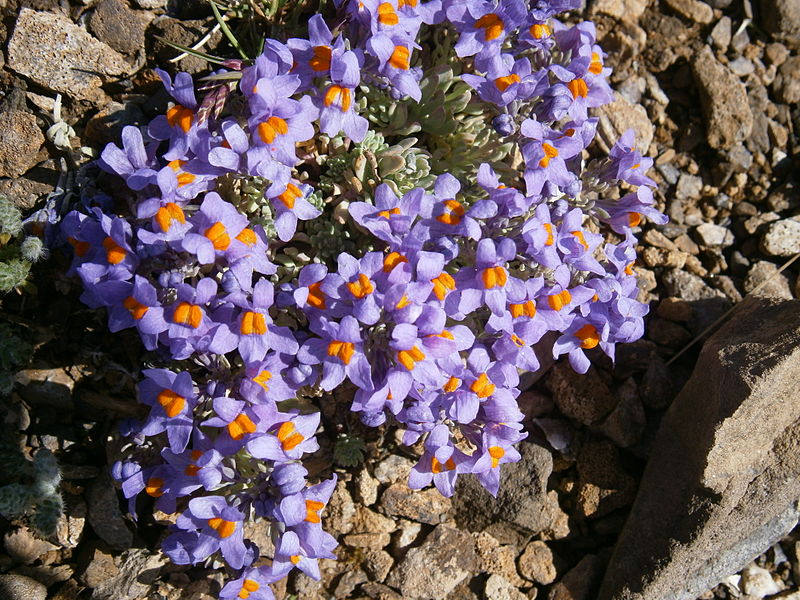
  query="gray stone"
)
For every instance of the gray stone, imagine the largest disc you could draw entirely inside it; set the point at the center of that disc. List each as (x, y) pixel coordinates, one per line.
(758, 582)
(618, 117)
(20, 141)
(425, 506)
(781, 18)
(445, 558)
(104, 514)
(134, 572)
(781, 238)
(393, 468)
(775, 285)
(723, 478)
(583, 397)
(521, 500)
(20, 587)
(536, 563)
(497, 588)
(366, 488)
(151, 4)
(714, 235)
(114, 23)
(686, 286)
(689, 187)
(62, 57)
(657, 257)
(694, 10)
(741, 66)
(723, 99)
(625, 425)
(720, 35)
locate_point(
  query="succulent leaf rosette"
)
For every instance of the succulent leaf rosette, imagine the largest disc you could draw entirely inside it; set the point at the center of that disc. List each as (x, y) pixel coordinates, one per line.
(402, 199)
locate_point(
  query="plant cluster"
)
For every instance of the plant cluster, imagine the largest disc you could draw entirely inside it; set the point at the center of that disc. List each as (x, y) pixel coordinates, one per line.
(287, 232)
(17, 251)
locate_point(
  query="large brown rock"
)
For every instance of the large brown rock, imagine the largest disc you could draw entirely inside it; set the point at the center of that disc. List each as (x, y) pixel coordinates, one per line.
(60, 56)
(723, 98)
(723, 481)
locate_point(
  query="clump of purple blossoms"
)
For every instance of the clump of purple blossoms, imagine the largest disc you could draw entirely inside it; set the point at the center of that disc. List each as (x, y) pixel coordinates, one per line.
(433, 322)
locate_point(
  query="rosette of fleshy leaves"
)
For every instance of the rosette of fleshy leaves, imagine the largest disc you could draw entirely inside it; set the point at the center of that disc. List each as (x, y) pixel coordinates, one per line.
(347, 206)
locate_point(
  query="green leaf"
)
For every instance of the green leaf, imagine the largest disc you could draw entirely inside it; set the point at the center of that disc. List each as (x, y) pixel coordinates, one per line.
(202, 55)
(226, 30)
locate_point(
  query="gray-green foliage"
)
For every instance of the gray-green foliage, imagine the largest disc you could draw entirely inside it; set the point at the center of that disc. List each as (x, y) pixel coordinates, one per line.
(17, 251)
(15, 352)
(348, 450)
(37, 495)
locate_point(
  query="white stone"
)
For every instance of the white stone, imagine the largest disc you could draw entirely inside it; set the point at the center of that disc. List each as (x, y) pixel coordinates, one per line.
(758, 582)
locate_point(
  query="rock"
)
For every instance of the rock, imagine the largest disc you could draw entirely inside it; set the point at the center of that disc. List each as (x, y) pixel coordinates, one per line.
(447, 552)
(657, 257)
(24, 547)
(377, 564)
(581, 581)
(20, 141)
(603, 485)
(393, 468)
(348, 582)
(724, 101)
(741, 67)
(425, 506)
(758, 582)
(151, 4)
(629, 10)
(686, 286)
(498, 588)
(69, 530)
(378, 591)
(101, 568)
(625, 425)
(776, 53)
(723, 477)
(61, 56)
(50, 388)
(657, 388)
(19, 587)
(536, 563)
(776, 287)
(408, 533)
(619, 116)
(114, 23)
(688, 187)
(497, 559)
(366, 488)
(104, 514)
(47, 575)
(781, 18)
(714, 235)
(694, 10)
(370, 529)
(340, 510)
(781, 238)
(136, 570)
(585, 398)
(720, 35)
(521, 500)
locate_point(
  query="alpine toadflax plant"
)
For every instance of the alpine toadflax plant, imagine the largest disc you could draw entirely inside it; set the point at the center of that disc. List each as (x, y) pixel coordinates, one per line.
(402, 199)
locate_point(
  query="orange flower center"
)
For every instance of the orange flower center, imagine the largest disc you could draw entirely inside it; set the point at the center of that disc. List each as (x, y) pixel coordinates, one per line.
(342, 350)
(289, 436)
(492, 26)
(409, 358)
(222, 527)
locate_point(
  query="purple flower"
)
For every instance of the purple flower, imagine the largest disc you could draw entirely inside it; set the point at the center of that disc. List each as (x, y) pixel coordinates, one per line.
(393, 52)
(213, 525)
(135, 164)
(484, 26)
(253, 584)
(340, 349)
(290, 437)
(290, 205)
(441, 463)
(172, 398)
(337, 109)
(214, 227)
